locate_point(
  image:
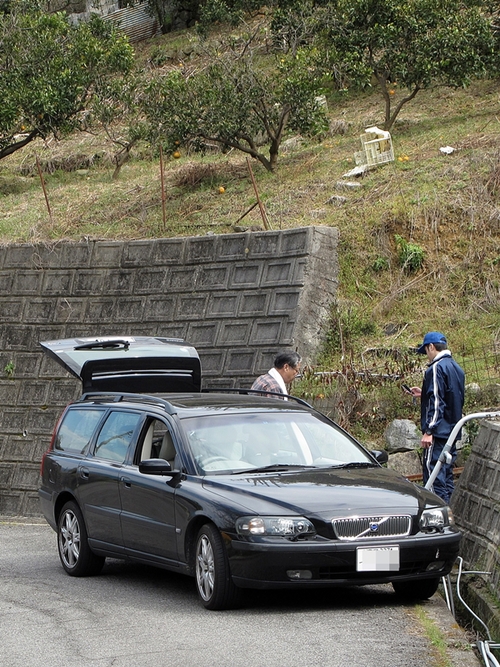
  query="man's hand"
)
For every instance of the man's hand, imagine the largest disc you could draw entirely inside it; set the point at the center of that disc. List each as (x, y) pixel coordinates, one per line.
(426, 441)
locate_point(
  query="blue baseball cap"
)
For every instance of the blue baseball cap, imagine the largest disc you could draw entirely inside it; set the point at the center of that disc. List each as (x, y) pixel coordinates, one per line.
(432, 337)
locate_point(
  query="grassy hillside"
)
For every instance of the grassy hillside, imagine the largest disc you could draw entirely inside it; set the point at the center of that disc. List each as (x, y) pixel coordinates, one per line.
(445, 205)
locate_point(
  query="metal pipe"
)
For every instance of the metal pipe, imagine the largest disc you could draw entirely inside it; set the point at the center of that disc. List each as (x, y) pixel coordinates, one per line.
(443, 457)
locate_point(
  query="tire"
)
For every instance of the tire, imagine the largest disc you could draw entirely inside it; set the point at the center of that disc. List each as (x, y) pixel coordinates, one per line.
(72, 542)
(420, 589)
(214, 584)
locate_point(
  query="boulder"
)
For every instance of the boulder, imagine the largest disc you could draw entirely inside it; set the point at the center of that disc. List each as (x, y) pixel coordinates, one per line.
(402, 435)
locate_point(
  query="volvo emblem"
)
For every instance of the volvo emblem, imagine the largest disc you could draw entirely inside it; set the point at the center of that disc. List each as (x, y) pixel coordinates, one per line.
(374, 526)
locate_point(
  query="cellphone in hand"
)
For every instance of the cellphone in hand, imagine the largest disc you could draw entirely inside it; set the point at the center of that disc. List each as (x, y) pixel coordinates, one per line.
(406, 388)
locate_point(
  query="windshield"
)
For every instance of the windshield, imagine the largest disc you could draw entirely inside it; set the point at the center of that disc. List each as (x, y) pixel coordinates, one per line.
(222, 443)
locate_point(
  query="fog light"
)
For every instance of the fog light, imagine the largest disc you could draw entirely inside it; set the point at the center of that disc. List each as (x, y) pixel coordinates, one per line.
(437, 565)
(299, 574)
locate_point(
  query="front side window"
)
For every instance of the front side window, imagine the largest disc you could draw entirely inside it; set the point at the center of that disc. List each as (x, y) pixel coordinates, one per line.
(116, 436)
(76, 430)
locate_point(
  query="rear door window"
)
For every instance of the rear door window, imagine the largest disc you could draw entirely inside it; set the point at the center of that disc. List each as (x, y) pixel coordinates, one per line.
(77, 429)
(116, 435)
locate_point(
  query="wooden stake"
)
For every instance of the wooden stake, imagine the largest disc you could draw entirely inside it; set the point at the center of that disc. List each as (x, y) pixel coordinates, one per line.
(44, 189)
(163, 209)
(261, 205)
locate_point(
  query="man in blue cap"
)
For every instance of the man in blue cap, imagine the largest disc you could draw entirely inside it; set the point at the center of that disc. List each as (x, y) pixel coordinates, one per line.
(441, 405)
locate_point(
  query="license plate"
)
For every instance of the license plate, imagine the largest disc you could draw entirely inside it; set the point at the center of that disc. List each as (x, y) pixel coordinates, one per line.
(378, 559)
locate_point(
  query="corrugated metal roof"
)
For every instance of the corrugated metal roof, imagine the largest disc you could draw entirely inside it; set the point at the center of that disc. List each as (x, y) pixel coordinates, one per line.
(135, 22)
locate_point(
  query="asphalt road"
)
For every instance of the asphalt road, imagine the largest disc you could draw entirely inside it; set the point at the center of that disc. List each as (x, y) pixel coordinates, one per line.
(134, 616)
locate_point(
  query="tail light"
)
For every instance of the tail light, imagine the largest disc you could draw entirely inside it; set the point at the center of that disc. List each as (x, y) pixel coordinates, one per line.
(52, 440)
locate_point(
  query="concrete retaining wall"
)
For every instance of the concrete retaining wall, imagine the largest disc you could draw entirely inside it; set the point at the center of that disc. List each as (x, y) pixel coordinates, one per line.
(237, 298)
(476, 505)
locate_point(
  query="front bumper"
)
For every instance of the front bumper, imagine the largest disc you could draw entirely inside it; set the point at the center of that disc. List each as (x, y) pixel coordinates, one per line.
(332, 563)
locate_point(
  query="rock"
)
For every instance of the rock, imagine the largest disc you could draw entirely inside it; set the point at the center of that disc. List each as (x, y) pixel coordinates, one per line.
(292, 144)
(405, 463)
(347, 185)
(402, 435)
(336, 200)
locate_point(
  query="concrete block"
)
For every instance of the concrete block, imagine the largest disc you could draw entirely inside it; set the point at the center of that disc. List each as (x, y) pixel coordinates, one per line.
(181, 279)
(203, 334)
(234, 333)
(11, 310)
(107, 254)
(27, 282)
(295, 241)
(150, 281)
(191, 307)
(266, 333)
(284, 302)
(10, 503)
(90, 282)
(278, 273)
(120, 281)
(253, 304)
(222, 305)
(231, 246)
(97, 311)
(245, 275)
(240, 362)
(6, 282)
(137, 253)
(67, 310)
(9, 390)
(169, 251)
(32, 393)
(159, 308)
(201, 249)
(39, 311)
(57, 282)
(212, 363)
(263, 244)
(212, 277)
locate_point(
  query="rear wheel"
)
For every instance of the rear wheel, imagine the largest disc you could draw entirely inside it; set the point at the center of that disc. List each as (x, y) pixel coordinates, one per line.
(214, 584)
(416, 590)
(76, 556)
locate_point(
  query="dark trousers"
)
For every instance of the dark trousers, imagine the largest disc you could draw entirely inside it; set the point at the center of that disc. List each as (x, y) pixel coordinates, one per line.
(443, 484)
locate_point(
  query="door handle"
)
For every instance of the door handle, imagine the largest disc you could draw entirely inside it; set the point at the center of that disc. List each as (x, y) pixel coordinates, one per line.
(126, 482)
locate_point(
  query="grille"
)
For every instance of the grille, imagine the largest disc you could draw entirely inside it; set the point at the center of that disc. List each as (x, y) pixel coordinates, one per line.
(371, 527)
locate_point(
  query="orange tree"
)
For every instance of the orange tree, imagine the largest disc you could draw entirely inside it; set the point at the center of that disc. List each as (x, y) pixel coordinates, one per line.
(236, 103)
(49, 72)
(414, 44)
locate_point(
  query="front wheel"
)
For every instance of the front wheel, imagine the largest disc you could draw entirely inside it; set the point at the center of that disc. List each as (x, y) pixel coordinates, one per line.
(214, 584)
(421, 589)
(76, 556)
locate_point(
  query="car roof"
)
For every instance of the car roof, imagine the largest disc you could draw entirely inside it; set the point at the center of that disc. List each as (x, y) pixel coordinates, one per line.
(129, 363)
(198, 404)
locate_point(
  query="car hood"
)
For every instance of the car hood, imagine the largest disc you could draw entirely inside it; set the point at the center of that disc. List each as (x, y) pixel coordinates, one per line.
(129, 363)
(324, 493)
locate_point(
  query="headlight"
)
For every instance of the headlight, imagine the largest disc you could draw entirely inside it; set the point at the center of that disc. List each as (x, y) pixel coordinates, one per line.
(274, 525)
(436, 518)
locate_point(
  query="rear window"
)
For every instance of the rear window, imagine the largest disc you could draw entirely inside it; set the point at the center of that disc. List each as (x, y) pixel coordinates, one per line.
(77, 429)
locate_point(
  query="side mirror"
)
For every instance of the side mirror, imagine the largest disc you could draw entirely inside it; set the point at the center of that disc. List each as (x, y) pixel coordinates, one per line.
(380, 455)
(156, 467)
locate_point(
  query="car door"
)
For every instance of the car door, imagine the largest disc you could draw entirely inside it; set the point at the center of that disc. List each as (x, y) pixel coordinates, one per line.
(148, 501)
(99, 476)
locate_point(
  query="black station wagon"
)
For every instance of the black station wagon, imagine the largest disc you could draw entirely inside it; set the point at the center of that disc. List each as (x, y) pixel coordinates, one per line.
(236, 489)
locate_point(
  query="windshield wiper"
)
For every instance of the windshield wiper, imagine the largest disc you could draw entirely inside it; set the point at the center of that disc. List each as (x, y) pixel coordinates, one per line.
(273, 467)
(357, 464)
